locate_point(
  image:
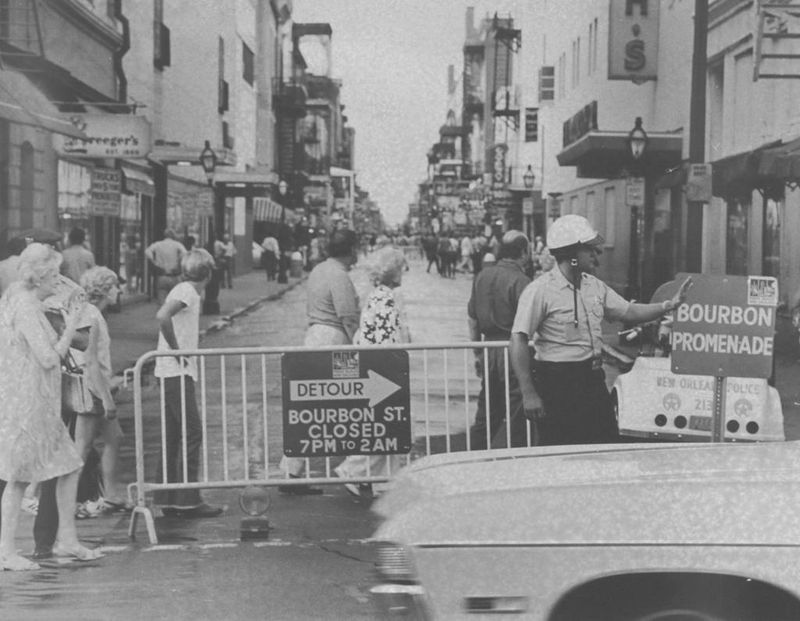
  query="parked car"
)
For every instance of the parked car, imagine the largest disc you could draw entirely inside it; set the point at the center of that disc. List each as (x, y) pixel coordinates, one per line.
(606, 532)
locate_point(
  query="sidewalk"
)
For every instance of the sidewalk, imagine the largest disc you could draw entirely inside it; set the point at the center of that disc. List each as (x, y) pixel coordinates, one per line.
(134, 330)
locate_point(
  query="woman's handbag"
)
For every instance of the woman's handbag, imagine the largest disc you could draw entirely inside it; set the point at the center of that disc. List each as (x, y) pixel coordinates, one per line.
(75, 395)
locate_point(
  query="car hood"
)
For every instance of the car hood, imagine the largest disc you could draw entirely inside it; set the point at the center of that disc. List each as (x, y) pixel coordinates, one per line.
(645, 493)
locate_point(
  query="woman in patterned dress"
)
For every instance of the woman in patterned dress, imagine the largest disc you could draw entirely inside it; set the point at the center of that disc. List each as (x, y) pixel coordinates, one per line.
(381, 322)
(34, 442)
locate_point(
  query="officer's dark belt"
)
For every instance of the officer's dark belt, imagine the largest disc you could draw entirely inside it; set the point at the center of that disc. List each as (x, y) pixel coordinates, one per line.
(593, 363)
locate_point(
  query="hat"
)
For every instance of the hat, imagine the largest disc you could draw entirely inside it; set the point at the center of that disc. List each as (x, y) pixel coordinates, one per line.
(571, 230)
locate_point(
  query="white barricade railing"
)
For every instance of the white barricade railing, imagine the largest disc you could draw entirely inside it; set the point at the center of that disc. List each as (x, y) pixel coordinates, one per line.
(238, 394)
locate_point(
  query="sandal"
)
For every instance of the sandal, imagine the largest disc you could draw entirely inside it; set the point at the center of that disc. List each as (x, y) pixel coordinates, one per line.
(17, 563)
(76, 551)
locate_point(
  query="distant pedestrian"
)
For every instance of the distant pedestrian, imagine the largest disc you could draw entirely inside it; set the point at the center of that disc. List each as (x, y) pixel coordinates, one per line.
(381, 322)
(492, 305)
(225, 256)
(179, 328)
(131, 259)
(165, 256)
(270, 256)
(430, 248)
(77, 258)
(466, 253)
(34, 442)
(333, 319)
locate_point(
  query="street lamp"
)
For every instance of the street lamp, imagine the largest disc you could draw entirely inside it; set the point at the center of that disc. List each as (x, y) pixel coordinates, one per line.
(637, 139)
(208, 160)
(528, 179)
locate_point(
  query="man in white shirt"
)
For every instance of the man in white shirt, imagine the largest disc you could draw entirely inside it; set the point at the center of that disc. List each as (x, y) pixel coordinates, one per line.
(165, 256)
(179, 323)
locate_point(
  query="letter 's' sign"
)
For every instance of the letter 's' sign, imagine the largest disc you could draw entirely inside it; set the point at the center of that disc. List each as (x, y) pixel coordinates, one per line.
(633, 40)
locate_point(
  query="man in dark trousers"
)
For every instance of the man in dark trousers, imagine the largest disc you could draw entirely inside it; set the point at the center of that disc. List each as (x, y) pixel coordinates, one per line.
(495, 293)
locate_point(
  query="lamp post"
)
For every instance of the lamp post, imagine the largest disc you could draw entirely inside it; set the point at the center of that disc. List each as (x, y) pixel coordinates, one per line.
(208, 160)
(637, 199)
(528, 179)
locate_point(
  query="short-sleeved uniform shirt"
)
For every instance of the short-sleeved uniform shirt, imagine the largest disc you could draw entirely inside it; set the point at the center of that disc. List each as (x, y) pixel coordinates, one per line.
(186, 324)
(547, 313)
(495, 295)
(331, 295)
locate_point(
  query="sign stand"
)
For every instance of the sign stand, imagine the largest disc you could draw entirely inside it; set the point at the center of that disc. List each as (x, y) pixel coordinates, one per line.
(718, 415)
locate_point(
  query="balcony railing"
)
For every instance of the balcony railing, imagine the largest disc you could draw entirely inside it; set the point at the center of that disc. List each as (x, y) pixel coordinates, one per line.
(289, 95)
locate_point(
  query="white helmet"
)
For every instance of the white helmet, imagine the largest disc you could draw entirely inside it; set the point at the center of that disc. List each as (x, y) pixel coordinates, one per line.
(570, 230)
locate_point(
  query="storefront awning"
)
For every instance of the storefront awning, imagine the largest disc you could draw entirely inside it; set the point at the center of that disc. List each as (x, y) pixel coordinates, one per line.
(138, 182)
(22, 102)
(266, 210)
(240, 179)
(604, 155)
(781, 162)
(738, 175)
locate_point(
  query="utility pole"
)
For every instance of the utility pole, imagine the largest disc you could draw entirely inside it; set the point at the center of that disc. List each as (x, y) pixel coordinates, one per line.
(697, 134)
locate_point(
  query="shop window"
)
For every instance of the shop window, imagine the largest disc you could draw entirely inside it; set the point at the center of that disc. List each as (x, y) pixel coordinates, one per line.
(248, 64)
(771, 243)
(736, 239)
(26, 183)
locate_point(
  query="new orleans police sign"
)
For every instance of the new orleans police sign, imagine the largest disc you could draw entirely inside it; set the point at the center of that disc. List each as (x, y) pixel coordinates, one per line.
(346, 403)
(726, 327)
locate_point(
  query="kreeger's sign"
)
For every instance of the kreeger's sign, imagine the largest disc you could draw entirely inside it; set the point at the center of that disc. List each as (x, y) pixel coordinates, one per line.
(107, 135)
(726, 327)
(345, 403)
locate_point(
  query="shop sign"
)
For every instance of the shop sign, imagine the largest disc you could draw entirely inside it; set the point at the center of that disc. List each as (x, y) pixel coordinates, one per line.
(527, 206)
(499, 165)
(633, 40)
(106, 192)
(107, 135)
(531, 124)
(580, 124)
(634, 192)
(726, 327)
(698, 183)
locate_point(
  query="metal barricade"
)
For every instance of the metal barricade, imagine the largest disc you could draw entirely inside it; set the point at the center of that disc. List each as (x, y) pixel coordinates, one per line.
(239, 409)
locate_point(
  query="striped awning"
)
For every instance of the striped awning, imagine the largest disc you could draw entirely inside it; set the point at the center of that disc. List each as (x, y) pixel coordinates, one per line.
(266, 210)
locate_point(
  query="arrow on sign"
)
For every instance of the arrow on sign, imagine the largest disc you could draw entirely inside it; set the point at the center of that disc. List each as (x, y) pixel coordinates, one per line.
(374, 387)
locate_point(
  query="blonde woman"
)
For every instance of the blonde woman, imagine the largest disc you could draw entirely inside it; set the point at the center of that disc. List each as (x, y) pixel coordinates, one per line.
(381, 322)
(102, 289)
(34, 443)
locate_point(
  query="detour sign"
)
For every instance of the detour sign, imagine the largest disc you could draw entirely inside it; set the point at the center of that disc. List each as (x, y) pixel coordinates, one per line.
(726, 327)
(345, 403)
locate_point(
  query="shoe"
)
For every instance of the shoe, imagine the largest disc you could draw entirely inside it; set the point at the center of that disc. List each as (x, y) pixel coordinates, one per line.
(88, 509)
(200, 511)
(42, 555)
(17, 563)
(299, 490)
(362, 490)
(76, 551)
(110, 507)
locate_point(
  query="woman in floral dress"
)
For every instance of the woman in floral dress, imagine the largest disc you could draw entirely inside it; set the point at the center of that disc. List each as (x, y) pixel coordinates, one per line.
(34, 442)
(381, 322)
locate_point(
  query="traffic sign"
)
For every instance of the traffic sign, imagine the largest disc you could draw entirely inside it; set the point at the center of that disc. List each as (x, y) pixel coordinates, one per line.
(726, 327)
(353, 402)
(634, 192)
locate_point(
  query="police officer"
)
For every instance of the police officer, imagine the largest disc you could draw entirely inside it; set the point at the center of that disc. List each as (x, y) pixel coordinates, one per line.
(564, 389)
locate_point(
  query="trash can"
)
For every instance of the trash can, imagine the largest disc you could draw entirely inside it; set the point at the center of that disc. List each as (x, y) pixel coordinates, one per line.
(296, 265)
